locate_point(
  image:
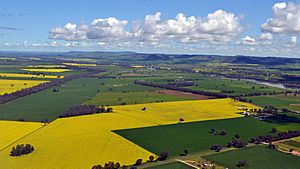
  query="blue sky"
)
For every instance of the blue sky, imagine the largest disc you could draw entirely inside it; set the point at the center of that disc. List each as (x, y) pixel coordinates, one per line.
(29, 25)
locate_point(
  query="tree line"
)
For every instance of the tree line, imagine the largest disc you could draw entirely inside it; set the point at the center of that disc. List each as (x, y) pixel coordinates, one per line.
(85, 110)
(279, 136)
(172, 87)
(35, 89)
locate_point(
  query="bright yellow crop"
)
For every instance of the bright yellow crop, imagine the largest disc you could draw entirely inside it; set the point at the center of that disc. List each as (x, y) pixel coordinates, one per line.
(170, 112)
(29, 75)
(80, 64)
(46, 66)
(46, 70)
(83, 141)
(9, 86)
(11, 131)
(137, 66)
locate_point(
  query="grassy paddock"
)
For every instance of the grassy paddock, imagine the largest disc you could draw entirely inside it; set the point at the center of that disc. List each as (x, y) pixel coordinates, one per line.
(48, 104)
(257, 157)
(194, 136)
(280, 101)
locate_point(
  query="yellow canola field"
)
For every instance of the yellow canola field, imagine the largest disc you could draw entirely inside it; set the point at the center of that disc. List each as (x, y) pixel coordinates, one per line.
(11, 131)
(80, 64)
(83, 141)
(46, 70)
(29, 75)
(196, 110)
(9, 86)
(46, 66)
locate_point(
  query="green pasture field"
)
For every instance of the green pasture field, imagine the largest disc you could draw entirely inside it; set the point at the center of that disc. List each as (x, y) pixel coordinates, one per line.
(239, 87)
(280, 101)
(257, 157)
(123, 90)
(48, 104)
(194, 136)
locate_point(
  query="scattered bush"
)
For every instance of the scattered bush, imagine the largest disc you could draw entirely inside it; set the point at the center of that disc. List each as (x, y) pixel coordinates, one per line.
(21, 150)
(222, 133)
(216, 147)
(242, 163)
(237, 143)
(151, 158)
(109, 165)
(138, 162)
(163, 156)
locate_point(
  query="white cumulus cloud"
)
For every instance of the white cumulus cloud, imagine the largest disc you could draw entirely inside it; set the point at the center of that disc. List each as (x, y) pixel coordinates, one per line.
(219, 26)
(285, 20)
(265, 36)
(248, 40)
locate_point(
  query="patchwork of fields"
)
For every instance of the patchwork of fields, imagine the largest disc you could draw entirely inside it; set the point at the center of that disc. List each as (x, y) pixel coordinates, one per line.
(145, 120)
(123, 90)
(48, 104)
(91, 136)
(293, 143)
(194, 136)
(237, 87)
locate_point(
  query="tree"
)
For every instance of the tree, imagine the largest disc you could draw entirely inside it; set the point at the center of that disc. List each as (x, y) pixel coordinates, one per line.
(151, 158)
(274, 130)
(222, 132)
(242, 163)
(21, 150)
(181, 120)
(138, 162)
(271, 146)
(212, 131)
(163, 156)
(45, 121)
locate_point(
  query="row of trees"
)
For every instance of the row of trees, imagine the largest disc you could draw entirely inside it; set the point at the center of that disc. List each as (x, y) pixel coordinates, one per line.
(21, 150)
(181, 84)
(112, 165)
(279, 136)
(85, 110)
(27, 91)
(223, 94)
(171, 87)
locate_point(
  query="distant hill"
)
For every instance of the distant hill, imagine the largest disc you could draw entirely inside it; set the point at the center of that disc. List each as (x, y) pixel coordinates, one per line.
(261, 60)
(129, 56)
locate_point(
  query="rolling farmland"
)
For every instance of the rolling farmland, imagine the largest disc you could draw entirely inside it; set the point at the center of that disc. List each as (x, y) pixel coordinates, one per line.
(76, 135)
(48, 104)
(194, 136)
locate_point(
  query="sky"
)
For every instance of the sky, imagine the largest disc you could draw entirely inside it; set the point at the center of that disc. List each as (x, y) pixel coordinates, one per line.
(225, 27)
